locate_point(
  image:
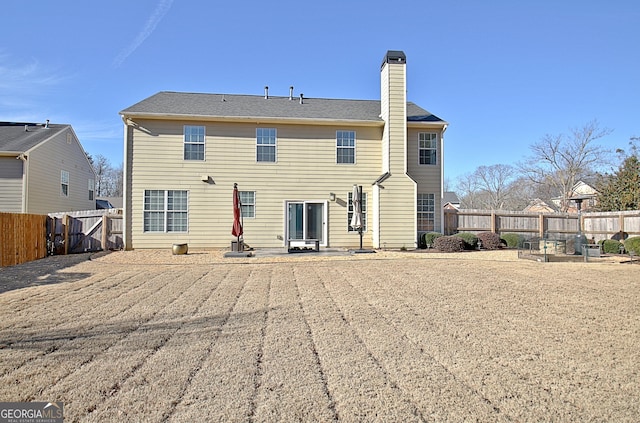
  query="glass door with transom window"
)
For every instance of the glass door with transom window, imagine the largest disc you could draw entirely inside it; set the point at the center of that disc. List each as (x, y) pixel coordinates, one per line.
(307, 220)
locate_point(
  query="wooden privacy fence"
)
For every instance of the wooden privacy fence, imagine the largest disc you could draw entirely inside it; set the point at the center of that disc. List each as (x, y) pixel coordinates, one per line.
(23, 237)
(27, 237)
(597, 225)
(82, 231)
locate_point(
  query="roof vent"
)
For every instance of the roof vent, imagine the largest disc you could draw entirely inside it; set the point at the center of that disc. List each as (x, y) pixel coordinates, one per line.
(46, 125)
(26, 128)
(266, 92)
(291, 92)
(301, 98)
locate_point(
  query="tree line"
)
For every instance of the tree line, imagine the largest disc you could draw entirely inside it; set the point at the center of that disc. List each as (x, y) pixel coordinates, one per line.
(551, 170)
(109, 178)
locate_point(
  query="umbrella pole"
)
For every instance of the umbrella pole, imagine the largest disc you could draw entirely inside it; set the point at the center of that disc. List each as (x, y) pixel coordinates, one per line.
(360, 230)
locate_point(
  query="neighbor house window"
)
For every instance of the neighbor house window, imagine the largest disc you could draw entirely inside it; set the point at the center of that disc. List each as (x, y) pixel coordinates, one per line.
(92, 189)
(266, 144)
(165, 211)
(426, 212)
(193, 142)
(64, 183)
(346, 147)
(248, 201)
(427, 147)
(350, 212)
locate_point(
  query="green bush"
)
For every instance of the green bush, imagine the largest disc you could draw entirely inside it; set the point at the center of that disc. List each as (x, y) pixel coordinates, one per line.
(449, 244)
(490, 240)
(611, 246)
(470, 240)
(632, 245)
(428, 239)
(513, 240)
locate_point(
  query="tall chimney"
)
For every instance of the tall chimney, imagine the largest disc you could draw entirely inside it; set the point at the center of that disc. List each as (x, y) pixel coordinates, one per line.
(393, 101)
(291, 92)
(266, 92)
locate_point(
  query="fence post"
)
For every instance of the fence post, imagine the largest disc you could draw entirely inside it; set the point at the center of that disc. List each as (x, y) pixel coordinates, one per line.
(105, 235)
(66, 234)
(493, 221)
(541, 225)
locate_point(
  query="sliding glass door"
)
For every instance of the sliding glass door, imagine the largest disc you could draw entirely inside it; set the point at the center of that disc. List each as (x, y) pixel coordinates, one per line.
(306, 220)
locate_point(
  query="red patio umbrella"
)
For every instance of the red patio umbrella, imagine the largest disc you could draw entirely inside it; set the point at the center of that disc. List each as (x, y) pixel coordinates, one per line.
(237, 215)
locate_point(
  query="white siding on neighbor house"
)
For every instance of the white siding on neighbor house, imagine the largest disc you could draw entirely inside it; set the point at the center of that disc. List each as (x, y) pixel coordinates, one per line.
(305, 170)
(46, 161)
(10, 185)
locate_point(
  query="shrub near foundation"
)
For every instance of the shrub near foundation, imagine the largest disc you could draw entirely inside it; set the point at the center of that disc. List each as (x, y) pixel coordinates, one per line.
(470, 240)
(490, 240)
(632, 245)
(449, 244)
(428, 239)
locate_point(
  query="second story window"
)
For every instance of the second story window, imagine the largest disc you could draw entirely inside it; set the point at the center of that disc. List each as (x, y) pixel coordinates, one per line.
(427, 147)
(266, 145)
(346, 147)
(64, 183)
(92, 188)
(193, 142)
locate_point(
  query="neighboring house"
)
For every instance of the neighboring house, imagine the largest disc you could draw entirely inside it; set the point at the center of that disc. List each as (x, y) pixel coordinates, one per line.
(450, 201)
(539, 206)
(582, 192)
(295, 160)
(43, 169)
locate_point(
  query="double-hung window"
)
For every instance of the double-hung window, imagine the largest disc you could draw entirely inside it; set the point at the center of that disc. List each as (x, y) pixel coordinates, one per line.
(346, 147)
(426, 212)
(266, 145)
(166, 211)
(64, 183)
(427, 147)
(248, 201)
(194, 139)
(363, 207)
(92, 188)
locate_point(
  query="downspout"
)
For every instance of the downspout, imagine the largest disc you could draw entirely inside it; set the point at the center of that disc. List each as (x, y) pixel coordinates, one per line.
(25, 181)
(444, 129)
(126, 231)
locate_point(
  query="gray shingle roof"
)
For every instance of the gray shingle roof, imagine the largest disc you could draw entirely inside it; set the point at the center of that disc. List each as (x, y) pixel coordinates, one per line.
(166, 103)
(14, 138)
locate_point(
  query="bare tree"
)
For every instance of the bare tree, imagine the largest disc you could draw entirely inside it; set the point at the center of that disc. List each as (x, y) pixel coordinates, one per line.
(560, 161)
(108, 178)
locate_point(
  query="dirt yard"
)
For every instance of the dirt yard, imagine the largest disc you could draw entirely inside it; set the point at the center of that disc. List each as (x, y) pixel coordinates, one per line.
(388, 337)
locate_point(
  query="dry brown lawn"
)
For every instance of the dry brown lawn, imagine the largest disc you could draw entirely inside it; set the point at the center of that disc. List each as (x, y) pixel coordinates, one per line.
(389, 337)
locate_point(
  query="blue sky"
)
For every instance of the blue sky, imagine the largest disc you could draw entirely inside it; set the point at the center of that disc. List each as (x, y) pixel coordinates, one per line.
(502, 73)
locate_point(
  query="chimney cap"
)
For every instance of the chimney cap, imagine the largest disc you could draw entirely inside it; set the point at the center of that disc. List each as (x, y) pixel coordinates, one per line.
(394, 56)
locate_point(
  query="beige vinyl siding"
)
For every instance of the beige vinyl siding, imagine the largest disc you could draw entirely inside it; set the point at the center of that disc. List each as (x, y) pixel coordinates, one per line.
(398, 213)
(10, 184)
(45, 163)
(428, 177)
(306, 170)
(397, 119)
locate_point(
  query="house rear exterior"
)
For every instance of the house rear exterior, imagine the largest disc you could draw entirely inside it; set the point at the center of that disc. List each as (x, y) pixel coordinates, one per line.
(295, 160)
(43, 169)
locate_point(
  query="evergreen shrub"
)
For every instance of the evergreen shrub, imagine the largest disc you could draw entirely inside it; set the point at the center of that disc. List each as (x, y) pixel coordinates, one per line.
(428, 239)
(632, 245)
(470, 240)
(513, 240)
(611, 246)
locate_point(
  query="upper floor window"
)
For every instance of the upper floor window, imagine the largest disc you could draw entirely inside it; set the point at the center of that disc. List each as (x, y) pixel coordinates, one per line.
(165, 211)
(266, 145)
(346, 147)
(193, 142)
(64, 183)
(92, 188)
(426, 212)
(248, 203)
(427, 147)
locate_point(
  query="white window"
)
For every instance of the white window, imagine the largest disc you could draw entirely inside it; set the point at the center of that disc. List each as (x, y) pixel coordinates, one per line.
(427, 147)
(266, 144)
(194, 142)
(165, 211)
(346, 147)
(248, 203)
(363, 206)
(64, 183)
(92, 189)
(426, 212)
